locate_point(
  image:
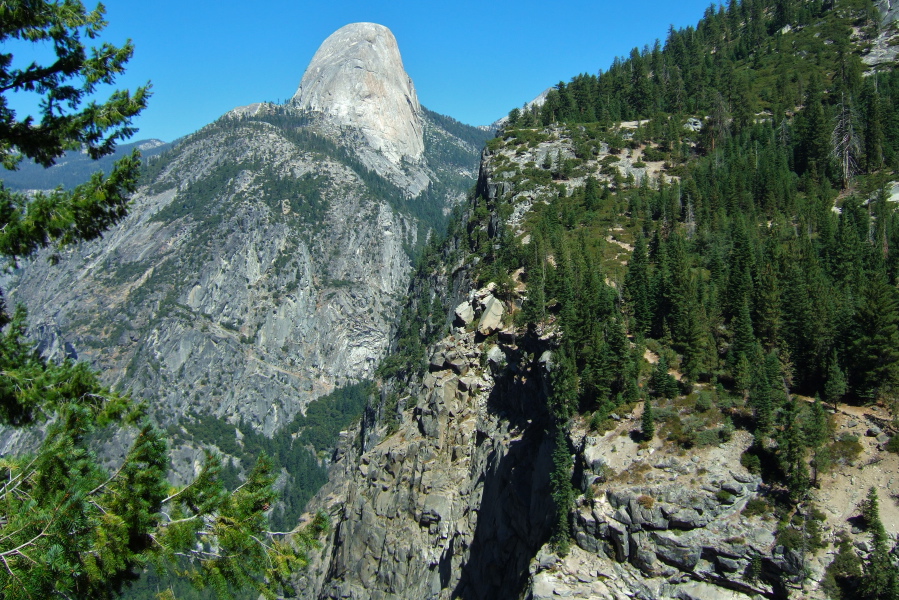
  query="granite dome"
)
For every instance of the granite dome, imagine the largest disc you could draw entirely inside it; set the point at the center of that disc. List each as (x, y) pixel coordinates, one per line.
(356, 79)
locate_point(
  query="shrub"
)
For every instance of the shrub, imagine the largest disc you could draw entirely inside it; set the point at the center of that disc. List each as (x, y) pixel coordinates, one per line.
(756, 507)
(652, 154)
(704, 402)
(893, 445)
(846, 449)
(751, 462)
(724, 497)
(707, 437)
(754, 570)
(646, 501)
(788, 537)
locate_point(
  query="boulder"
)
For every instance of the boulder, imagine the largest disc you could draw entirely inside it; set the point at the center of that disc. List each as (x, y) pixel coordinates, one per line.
(731, 565)
(492, 318)
(495, 356)
(733, 487)
(620, 539)
(742, 477)
(675, 551)
(687, 518)
(643, 553)
(437, 362)
(588, 542)
(457, 363)
(647, 518)
(465, 313)
(699, 590)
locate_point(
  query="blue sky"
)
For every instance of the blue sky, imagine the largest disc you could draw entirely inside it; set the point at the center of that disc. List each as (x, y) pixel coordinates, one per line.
(471, 60)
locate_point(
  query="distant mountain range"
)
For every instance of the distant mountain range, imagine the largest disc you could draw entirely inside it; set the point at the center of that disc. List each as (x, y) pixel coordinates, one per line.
(75, 167)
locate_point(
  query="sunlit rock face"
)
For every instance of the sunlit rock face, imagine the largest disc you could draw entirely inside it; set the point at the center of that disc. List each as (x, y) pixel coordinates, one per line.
(356, 80)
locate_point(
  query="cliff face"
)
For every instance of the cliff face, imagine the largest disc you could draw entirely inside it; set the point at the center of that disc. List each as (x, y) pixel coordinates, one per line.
(357, 84)
(455, 501)
(444, 491)
(263, 260)
(222, 291)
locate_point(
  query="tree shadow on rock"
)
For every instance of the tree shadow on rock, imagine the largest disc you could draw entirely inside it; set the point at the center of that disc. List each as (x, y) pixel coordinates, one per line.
(516, 511)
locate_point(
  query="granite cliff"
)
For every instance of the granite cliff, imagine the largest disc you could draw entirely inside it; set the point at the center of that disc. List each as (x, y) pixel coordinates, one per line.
(358, 87)
(444, 489)
(264, 256)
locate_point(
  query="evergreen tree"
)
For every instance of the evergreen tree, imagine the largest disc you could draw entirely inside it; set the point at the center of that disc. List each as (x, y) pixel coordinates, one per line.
(873, 134)
(845, 144)
(562, 490)
(835, 385)
(69, 528)
(534, 308)
(563, 400)
(874, 346)
(744, 340)
(880, 575)
(844, 573)
(661, 381)
(813, 149)
(636, 287)
(816, 432)
(791, 449)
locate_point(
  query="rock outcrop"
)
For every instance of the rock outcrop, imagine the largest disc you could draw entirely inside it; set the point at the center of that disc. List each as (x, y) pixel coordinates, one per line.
(454, 500)
(444, 490)
(262, 262)
(222, 292)
(356, 82)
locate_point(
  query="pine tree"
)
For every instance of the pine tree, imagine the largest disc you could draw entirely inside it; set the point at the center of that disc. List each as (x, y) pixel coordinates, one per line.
(636, 287)
(874, 348)
(791, 449)
(880, 575)
(534, 308)
(744, 343)
(564, 396)
(813, 149)
(873, 134)
(70, 529)
(835, 385)
(845, 144)
(816, 432)
(562, 490)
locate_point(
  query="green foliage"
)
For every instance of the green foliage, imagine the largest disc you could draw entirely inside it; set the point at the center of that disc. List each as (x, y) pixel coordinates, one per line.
(846, 449)
(880, 574)
(62, 218)
(874, 349)
(756, 507)
(70, 528)
(562, 491)
(327, 416)
(893, 445)
(288, 448)
(843, 575)
(74, 76)
(751, 462)
(663, 384)
(801, 533)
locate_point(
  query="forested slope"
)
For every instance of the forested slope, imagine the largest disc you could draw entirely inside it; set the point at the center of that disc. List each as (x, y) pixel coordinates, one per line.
(702, 240)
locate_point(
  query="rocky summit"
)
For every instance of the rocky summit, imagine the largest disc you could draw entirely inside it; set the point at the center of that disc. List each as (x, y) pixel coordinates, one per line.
(264, 256)
(357, 84)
